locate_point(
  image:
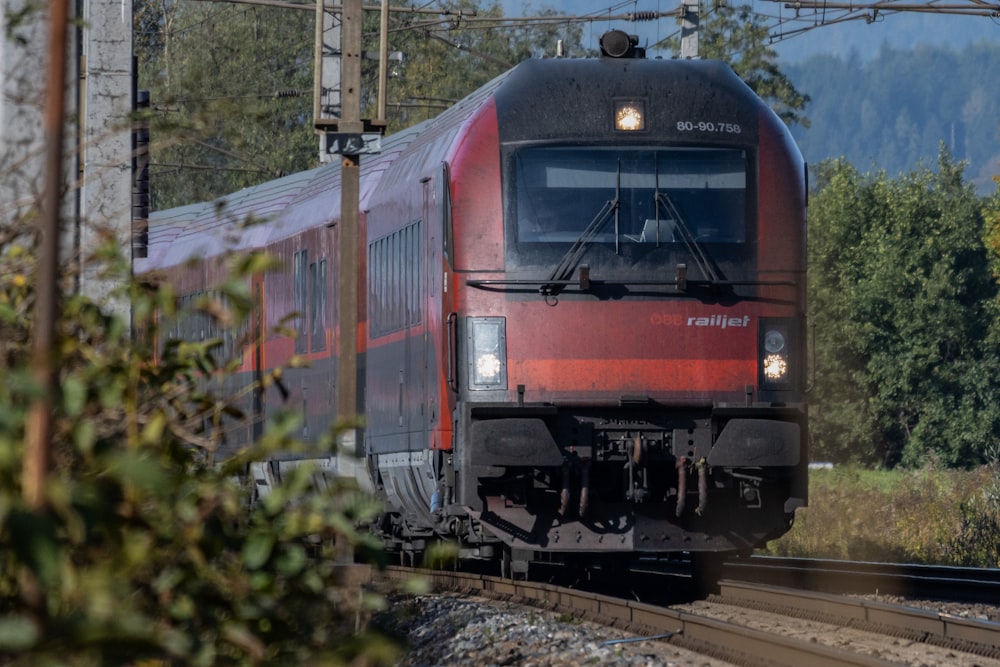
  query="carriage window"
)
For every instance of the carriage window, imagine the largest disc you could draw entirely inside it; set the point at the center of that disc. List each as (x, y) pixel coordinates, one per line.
(317, 306)
(394, 275)
(300, 264)
(560, 191)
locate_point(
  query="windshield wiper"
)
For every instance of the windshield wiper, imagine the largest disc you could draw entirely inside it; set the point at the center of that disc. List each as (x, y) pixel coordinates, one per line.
(690, 242)
(564, 269)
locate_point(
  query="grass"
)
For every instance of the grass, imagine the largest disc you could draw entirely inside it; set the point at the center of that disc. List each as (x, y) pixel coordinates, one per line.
(942, 517)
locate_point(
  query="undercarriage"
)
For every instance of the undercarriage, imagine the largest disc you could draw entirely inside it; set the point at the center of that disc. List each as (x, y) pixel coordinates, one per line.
(543, 481)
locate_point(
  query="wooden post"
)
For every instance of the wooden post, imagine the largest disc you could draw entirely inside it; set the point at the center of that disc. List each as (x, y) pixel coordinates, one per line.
(350, 122)
(38, 430)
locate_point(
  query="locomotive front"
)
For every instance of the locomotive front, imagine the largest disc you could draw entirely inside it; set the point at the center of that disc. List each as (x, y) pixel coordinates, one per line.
(626, 349)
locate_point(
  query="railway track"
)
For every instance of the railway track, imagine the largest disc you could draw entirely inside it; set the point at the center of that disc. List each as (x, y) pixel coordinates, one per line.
(960, 584)
(757, 624)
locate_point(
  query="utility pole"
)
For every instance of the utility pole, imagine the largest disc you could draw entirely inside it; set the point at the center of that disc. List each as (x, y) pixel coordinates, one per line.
(689, 29)
(346, 136)
(350, 180)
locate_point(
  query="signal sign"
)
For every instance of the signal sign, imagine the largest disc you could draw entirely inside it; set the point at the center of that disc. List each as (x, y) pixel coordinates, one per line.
(346, 143)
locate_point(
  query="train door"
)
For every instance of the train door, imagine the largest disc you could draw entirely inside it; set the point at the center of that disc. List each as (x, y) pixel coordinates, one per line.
(258, 332)
(413, 376)
(427, 301)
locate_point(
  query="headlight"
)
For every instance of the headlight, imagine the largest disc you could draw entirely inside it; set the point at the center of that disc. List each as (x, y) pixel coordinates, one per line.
(487, 353)
(774, 341)
(775, 353)
(775, 367)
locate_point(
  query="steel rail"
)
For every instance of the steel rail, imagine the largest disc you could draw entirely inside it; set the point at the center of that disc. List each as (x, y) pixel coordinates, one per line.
(725, 641)
(969, 635)
(958, 584)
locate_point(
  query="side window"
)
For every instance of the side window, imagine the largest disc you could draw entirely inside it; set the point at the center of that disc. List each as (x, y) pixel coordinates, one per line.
(195, 323)
(444, 197)
(394, 273)
(300, 265)
(317, 306)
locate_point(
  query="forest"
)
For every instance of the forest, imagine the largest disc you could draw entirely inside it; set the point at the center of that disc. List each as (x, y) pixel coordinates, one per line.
(893, 111)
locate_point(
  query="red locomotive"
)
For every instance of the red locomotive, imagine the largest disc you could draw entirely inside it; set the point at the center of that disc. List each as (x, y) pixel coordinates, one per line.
(582, 312)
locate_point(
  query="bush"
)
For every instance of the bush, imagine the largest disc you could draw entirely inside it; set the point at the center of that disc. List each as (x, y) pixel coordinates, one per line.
(933, 516)
(977, 543)
(148, 548)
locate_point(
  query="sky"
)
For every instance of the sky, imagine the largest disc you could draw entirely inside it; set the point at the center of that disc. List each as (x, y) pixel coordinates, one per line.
(901, 30)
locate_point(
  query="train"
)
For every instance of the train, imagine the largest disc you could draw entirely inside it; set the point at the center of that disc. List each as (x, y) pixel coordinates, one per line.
(581, 312)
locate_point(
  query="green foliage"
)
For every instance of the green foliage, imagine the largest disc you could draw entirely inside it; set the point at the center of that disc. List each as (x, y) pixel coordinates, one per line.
(148, 548)
(901, 309)
(991, 231)
(232, 85)
(445, 61)
(929, 515)
(977, 543)
(231, 91)
(739, 36)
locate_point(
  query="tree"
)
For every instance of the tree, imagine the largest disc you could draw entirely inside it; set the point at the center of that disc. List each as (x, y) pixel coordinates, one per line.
(841, 425)
(231, 84)
(896, 109)
(231, 90)
(901, 306)
(991, 231)
(444, 62)
(739, 36)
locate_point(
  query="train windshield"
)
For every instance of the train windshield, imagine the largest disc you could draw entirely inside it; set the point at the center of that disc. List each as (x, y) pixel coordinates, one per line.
(654, 195)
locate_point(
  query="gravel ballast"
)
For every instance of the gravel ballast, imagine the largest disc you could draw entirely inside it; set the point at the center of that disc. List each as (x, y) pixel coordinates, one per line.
(453, 630)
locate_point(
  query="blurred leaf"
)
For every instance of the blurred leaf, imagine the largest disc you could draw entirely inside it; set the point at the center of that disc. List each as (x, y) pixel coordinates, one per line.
(36, 543)
(440, 555)
(416, 585)
(85, 435)
(153, 431)
(74, 395)
(257, 549)
(139, 469)
(292, 561)
(17, 633)
(240, 635)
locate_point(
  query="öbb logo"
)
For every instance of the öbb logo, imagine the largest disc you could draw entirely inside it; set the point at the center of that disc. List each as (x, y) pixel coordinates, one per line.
(716, 321)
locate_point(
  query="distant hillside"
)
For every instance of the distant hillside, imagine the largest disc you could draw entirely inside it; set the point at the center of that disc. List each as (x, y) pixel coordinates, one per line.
(903, 30)
(892, 111)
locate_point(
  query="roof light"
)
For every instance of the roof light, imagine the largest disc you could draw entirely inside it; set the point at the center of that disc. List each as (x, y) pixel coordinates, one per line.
(630, 115)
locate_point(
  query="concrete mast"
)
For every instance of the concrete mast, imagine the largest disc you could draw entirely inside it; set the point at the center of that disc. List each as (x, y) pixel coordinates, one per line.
(96, 202)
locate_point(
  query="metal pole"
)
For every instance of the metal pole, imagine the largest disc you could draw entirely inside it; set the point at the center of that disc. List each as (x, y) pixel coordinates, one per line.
(38, 430)
(318, 67)
(350, 122)
(383, 59)
(689, 29)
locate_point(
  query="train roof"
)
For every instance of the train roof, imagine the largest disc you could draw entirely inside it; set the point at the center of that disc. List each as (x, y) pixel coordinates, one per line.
(261, 214)
(254, 216)
(530, 101)
(537, 100)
